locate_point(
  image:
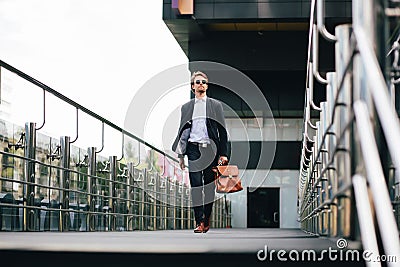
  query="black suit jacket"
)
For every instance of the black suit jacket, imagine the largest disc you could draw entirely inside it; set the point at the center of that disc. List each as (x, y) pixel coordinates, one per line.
(215, 122)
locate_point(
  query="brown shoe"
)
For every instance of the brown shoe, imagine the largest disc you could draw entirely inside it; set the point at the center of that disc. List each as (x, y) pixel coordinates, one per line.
(199, 228)
(206, 226)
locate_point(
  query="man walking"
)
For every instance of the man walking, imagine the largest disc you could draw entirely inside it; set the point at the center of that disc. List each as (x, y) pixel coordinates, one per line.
(203, 138)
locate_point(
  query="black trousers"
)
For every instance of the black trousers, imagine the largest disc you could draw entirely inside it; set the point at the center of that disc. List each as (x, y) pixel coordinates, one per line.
(201, 161)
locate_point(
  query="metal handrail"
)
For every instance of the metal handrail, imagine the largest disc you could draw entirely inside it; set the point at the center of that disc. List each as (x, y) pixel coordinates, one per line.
(308, 95)
(122, 146)
(311, 89)
(379, 92)
(310, 41)
(307, 196)
(320, 22)
(341, 193)
(312, 175)
(347, 68)
(367, 227)
(376, 179)
(105, 189)
(315, 51)
(78, 106)
(339, 89)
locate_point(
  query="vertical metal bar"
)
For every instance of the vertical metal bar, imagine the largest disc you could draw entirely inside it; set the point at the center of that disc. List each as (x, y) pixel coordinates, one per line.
(360, 85)
(324, 165)
(92, 188)
(65, 182)
(157, 201)
(166, 203)
(128, 194)
(188, 209)
(112, 202)
(30, 152)
(142, 213)
(174, 202)
(317, 172)
(313, 189)
(363, 16)
(343, 115)
(361, 89)
(182, 198)
(331, 91)
(149, 206)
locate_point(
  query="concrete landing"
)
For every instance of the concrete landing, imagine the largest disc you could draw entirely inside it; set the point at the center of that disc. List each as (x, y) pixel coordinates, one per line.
(226, 246)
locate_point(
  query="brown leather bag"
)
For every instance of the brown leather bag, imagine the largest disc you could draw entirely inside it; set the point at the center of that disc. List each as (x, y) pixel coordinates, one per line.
(227, 179)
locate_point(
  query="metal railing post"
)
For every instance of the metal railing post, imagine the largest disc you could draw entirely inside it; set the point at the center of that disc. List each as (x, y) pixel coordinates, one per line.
(331, 91)
(188, 208)
(157, 202)
(29, 194)
(165, 202)
(182, 205)
(343, 116)
(112, 202)
(65, 182)
(145, 201)
(142, 196)
(128, 219)
(92, 188)
(324, 158)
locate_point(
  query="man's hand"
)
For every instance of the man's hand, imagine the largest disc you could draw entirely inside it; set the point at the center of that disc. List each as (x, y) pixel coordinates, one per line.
(223, 160)
(182, 163)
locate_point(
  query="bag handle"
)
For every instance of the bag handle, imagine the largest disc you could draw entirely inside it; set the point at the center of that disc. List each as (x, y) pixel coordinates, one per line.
(220, 163)
(223, 163)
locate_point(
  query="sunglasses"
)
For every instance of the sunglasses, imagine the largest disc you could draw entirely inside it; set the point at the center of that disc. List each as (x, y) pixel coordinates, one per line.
(202, 81)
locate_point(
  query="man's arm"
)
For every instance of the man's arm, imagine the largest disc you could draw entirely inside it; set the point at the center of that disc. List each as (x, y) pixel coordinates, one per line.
(181, 156)
(178, 136)
(223, 135)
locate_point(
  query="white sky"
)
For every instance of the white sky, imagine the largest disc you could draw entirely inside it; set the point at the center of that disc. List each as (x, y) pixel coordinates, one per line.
(96, 52)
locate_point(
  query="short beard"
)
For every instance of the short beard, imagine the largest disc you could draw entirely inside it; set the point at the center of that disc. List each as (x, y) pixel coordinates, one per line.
(201, 91)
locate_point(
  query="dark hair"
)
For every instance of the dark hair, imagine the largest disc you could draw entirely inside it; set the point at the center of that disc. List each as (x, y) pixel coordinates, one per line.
(198, 73)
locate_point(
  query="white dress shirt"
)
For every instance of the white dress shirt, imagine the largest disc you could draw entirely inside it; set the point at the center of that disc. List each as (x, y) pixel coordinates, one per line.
(199, 132)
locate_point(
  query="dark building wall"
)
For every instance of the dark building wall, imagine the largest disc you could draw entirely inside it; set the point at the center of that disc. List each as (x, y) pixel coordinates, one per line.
(287, 155)
(284, 92)
(253, 51)
(274, 58)
(276, 51)
(260, 9)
